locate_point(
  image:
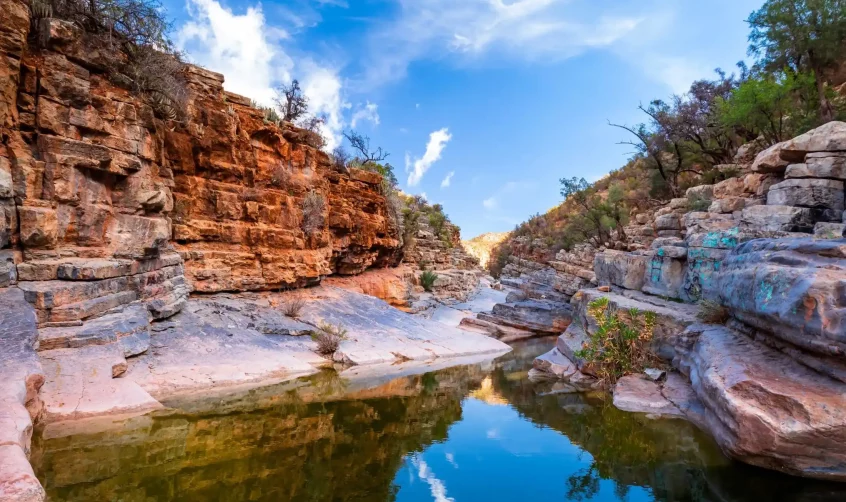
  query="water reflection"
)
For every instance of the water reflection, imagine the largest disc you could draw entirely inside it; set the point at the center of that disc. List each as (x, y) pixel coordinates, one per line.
(478, 432)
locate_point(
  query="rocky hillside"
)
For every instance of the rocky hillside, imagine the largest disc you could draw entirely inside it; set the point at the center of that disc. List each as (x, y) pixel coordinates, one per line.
(740, 285)
(481, 246)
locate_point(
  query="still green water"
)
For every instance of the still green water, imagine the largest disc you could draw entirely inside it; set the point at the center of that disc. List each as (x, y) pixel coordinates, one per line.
(481, 432)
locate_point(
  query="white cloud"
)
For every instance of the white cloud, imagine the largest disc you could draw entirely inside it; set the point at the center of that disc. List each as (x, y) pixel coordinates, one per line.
(241, 46)
(436, 486)
(425, 197)
(437, 142)
(250, 55)
(369, 112)
(448, 180)
(322, 87)
(494, 201)
(521, 29)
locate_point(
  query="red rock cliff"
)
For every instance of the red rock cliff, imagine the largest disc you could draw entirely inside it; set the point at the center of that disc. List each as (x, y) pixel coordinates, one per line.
(103, 203)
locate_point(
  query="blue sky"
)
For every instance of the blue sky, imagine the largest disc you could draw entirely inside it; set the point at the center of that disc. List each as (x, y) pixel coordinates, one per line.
(483, 104)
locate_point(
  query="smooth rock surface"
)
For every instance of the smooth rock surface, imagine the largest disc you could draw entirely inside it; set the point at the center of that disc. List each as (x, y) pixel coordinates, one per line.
(541, 316)
(767, 410)
(792, 289)
(637, 394)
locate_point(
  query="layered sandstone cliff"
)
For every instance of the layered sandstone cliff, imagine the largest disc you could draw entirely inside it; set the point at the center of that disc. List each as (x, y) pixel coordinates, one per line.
(105, 203)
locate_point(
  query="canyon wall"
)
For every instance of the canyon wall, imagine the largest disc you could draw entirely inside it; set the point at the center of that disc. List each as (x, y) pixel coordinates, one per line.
(103, 203)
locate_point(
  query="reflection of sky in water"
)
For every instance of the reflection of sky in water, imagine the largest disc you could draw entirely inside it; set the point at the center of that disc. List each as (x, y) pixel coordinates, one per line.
(502, 457)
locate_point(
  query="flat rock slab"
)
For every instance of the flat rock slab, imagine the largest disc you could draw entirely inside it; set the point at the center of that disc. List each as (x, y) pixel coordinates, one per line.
(203, 347)
(766, 409)
(82, 383)
(378, 333)
(635, 393)
(541, 316)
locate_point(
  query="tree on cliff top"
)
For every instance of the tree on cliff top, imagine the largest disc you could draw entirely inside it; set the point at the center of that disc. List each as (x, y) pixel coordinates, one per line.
(291, 102)
(801, 35)
(139, 54)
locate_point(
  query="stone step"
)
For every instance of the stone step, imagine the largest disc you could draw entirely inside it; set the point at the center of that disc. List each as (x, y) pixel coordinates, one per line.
(129, 328)
(63, 301)
(86, 309)
(91, 269)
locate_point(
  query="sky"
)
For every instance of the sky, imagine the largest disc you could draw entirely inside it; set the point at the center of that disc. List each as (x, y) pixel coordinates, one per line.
(483, 104)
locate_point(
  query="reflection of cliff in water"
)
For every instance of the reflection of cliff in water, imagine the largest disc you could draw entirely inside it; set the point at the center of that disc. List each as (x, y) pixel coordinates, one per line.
(343, 449)
(328, 438)
(672, 458)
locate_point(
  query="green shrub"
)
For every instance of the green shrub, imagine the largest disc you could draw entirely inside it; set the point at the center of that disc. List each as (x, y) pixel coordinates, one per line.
(696, 202)
(328, 338)
(427, 279)
(620, 344)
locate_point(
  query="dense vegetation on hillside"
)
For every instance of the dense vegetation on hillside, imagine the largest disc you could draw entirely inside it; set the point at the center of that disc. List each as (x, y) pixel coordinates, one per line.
(796, 83)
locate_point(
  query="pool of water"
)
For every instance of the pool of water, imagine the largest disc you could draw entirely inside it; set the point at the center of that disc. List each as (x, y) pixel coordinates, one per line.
(481, 432)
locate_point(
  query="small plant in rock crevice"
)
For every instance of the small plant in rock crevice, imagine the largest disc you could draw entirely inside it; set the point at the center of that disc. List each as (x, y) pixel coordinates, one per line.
(328, 337)
(712, 312)
(427, 280)
(313, 207)
(620, 344)
(293, 307)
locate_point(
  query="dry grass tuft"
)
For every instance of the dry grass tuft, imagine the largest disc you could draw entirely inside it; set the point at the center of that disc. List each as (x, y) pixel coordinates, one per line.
(293, 307)
(712, 312)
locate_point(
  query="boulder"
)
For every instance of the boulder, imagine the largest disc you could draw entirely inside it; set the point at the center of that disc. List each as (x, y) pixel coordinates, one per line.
(792, 289)
(778, 218)
(832, 166)
(770, 160)
(765, 409)
(540, 316)
(616, 268)
(634, 393)
(667, 222)
(813, 193)
(826, 165)
(823, 230)
(702, 192)
(830, 137)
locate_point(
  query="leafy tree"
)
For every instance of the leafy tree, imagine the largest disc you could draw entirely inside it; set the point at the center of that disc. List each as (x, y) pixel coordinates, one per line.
(291, 101)
(769, 105)
(801, 35)
(596, 217)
